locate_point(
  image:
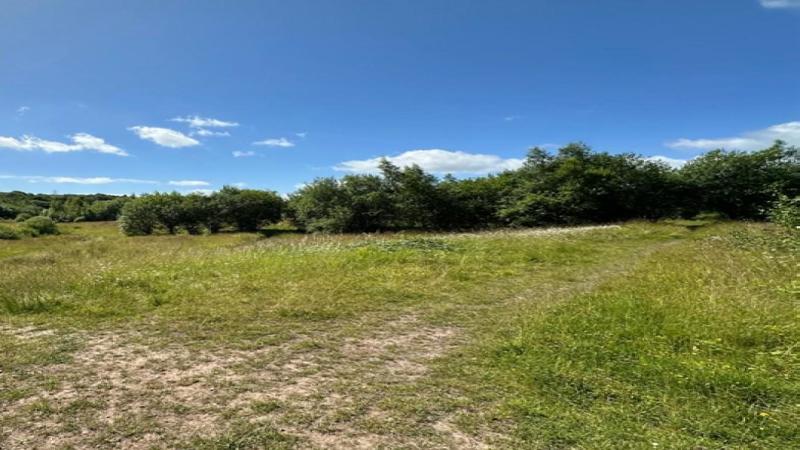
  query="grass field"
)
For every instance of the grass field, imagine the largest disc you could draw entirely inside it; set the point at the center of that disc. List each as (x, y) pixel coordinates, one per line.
(633, 336)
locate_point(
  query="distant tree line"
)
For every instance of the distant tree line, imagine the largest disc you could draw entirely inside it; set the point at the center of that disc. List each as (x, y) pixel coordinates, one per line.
(60, 207)
(572, 186)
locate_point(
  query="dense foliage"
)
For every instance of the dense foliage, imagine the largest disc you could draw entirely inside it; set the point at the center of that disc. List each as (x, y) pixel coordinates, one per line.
(575, 185)
(40, 226)
(786, 212)
(240, 209)
(8, 233)
(60, 208)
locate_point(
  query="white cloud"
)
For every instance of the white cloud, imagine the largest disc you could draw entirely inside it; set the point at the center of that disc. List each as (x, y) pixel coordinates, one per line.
(22, 110)
(438, 161)
(75, 180)
(202, 191)
(754, 140)
(204, 122)
(776, 4)
(511, 118)
(275, 142)
(164, 136)
(240, 184)
(80, 142)
(189, 183)
(301, 135)
(241, 154)
(208, 133)
(672, 162)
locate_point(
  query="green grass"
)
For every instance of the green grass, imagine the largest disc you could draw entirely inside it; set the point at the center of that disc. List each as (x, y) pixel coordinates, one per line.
(697, 347)
(672, 335)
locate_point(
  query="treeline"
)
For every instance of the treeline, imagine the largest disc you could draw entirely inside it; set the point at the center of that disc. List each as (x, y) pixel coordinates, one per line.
(60, 207)
(239, 209)
(573, 186)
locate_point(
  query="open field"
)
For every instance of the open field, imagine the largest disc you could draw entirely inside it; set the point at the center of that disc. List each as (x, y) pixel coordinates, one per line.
(634, 336)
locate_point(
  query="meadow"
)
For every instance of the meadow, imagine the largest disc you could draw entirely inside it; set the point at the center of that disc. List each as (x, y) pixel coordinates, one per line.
(678, 334)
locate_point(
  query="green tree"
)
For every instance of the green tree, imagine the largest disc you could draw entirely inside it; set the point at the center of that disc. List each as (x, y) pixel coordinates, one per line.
(321, 206)
(742, 184)
(413, 195)
(248, 209)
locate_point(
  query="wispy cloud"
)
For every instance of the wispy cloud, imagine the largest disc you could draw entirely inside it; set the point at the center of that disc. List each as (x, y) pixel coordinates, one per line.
(80, 142)
(102, 180)
(209, 133)
(164, 136)
(438, 161)
(275, 142)
(22, 110)
(76, 180)
(511, 118)
(753, 140)
(243, 154)
(778, 4)
(301, 135)
(189, 183)
(204, 122)
(672, 162)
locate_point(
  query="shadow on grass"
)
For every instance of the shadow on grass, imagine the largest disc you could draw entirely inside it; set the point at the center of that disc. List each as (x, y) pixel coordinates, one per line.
(268, 233)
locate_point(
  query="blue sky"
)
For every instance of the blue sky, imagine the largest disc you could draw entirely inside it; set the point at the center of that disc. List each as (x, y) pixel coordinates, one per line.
(121, 97)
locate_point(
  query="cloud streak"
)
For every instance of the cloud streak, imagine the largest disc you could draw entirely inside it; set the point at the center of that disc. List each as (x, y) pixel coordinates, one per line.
(76, 180)
(80, 142)
(780, 4)
(96, 181)
(209, 133)
(243, 154)
(189, 183)
(437, 161)
(164, 137)
(753, 140)
(275, 142)
(204, 122)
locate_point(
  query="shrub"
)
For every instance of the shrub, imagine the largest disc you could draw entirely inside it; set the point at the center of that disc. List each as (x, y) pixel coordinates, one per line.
(41, 225)
(22, 217)
(247, 209)
(786, 212)
(8, 233)
(138, 218)
(7, 212)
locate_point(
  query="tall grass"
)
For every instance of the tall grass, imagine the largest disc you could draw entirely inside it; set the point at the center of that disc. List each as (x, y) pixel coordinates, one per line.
(698, 348)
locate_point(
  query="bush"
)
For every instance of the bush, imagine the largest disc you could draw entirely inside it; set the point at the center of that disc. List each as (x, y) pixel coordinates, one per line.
(786, 212)
(41, 225)
(138, 218)
(22, 217)
(247, 209)
(8, 233)
(7, 212)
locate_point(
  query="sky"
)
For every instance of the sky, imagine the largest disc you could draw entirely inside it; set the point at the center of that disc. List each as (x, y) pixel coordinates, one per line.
(122, 97)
